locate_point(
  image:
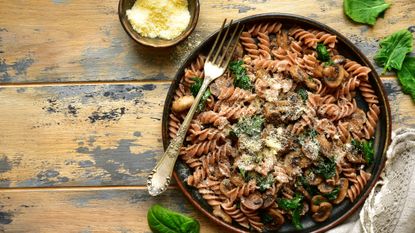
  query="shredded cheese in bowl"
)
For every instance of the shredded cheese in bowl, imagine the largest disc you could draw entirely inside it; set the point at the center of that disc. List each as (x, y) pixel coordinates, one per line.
(165, 19)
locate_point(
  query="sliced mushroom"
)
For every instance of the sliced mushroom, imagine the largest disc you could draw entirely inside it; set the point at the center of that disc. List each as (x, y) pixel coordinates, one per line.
(325, 145)
(268, 198)
(183, 103)
(344, 186)
(334, 75)
(218, 212)
(323, 212)
(325, 188)
(237, 180)
(316, 201)
(354, 158)
(304, 192)
(312, 178)
(252, 202)
(296, 159)
(277, 216)
(225, 186)
(304, 209)
(298, 74)
(338, 59)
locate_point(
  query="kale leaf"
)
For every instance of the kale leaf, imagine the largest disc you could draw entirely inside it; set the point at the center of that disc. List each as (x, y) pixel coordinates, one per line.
(364, 11)
(406, 76)
(393, 50)
(195, 87)
(241, 79)
(249, 126)
(322, 53)
(326, 168)
(296, 219)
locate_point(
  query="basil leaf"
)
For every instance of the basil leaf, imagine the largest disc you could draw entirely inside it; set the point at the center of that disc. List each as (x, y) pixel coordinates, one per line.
(364, 11)
(406, 76)
(393, 50)
(162, 220)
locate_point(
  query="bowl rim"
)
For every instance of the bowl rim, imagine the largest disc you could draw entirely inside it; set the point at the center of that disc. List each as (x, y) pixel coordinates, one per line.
(313, 23)
(193, 22)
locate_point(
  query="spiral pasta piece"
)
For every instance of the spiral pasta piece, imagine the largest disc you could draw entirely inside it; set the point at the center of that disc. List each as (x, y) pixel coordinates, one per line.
(304, 36)
(357, 187)
(357, 70)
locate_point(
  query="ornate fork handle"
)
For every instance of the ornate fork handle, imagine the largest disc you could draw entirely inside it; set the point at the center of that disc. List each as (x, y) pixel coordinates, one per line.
(159, 178)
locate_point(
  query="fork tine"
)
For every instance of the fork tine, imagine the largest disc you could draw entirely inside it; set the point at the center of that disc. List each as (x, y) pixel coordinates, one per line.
(222, 42)
(216, 40)
(228, 45)
(234, 46)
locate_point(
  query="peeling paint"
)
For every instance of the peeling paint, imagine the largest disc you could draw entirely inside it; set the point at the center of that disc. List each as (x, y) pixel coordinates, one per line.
(6, 217)
(44, 178)
(16, 69)
(240, 8)
(5, 164)
(120, 163)
(111, 115)
(137, 134)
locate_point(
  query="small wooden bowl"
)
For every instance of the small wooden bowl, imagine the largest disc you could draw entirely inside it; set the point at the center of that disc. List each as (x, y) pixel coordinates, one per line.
(124, 5)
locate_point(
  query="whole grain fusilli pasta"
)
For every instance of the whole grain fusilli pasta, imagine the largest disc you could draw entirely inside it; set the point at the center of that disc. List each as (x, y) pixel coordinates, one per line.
(281, 133)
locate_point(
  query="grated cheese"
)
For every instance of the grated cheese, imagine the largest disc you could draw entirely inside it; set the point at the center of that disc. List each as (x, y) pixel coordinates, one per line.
(164, 19)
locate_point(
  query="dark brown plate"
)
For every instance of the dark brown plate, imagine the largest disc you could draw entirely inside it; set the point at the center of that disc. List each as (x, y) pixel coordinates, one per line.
(124, 5)
(382, 136)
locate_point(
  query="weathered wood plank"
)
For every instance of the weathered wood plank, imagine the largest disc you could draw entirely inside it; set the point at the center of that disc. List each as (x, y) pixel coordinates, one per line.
(54, 41)
(100, 135)
(114, 210)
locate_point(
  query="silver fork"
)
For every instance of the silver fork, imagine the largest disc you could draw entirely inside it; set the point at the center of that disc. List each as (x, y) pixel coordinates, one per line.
(215, 66)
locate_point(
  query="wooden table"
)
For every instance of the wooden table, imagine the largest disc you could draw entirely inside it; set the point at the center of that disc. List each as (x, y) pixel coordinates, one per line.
(81, 106)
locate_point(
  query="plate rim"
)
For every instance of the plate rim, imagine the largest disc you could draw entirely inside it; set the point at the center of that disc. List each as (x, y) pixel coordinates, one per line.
(317, 25)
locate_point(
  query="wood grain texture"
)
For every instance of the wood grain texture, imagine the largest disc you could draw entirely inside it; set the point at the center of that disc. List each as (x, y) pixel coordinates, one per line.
(76, 40)
(97, 135)
(87, 211)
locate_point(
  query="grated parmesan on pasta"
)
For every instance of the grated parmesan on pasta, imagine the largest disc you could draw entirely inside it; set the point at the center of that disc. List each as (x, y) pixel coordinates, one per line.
(164, 19)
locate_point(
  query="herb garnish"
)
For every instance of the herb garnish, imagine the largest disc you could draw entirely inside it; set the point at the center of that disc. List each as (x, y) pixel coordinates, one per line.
(266, 182)
(195, 87)
(202, 103)
(366, 147)
(249, 126)
(241, 79)
(294, 206)
(326, 168)
(364, 11)
(322, 52)
(303, 93)
(333, 194)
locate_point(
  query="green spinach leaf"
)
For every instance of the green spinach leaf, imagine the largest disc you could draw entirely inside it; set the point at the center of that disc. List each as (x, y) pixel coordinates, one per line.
(241, 79)
(303, 94)
(393, 50)
(322, 53)
(249, 126)
(162, 220)
(406, 76)
(364, 11)
(326, 168)
(296, 219)
(365, 147)
(293, 206)
(202, 103)
(195, 87)
(333, 194)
